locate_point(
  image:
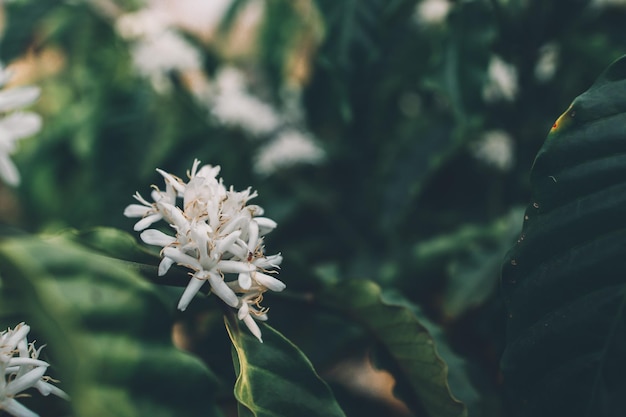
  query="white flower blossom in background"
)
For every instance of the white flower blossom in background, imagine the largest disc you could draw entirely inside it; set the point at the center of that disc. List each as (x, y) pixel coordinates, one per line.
(155, 57)
(14, 125)
(200, 17)
(156, 48)
(218, 235)
(432, 12)
(289, 148)
(502, 81)
(233, 105)
(22, 369)
(547, 62)
(495, 148)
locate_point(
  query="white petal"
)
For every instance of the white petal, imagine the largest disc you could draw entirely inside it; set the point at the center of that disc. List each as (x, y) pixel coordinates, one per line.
(15, 361)
(222, 290)
(15, 98)
(156, 237)
(268, 281)
(234, 267)
(16, 409)
(136, 210)
(174, 216)
(209, 171)
(272, 261)
(165, 265)
(224, 245)
(26, 381)
(200, 235)
(253, 235)
(142, 200)
(235, 224)
(17, 334)
(239, 249)
(8, 171)
(181, 258)
(266, 225)
(147, 221)
(253, 327)
(46, 389)
(244, 280)
(194, 167)
(244, 311)
(192, 288)
(170, 179)
(20, 125)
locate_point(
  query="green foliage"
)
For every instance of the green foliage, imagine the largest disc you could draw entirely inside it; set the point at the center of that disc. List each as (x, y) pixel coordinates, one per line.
(564, 281)
(276, 379)
(108, 331)
(410, 350)
(401, 201)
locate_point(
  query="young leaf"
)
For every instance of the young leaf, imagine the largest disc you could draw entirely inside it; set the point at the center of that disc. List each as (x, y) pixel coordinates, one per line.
(108, 331)
(420, 370)
(274, 378)
(564, 282)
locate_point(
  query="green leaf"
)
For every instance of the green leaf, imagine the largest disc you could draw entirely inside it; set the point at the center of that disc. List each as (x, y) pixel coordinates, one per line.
(421, 373)
(115, 243)
(564, 282)
(474, 268)
(108, 330)
(274, 378)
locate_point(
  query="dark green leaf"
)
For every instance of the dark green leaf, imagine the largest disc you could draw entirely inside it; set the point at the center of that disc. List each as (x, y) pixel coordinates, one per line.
(114, 243)
(108, 330)
(421, 373)
(274, 378)
(474, 270)
(564, 282)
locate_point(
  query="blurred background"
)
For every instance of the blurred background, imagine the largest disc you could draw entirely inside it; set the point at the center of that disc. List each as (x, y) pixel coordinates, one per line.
(390, 139)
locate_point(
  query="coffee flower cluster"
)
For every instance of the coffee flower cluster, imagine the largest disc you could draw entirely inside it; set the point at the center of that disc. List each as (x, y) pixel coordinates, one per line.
(22, 369)
(217, 235)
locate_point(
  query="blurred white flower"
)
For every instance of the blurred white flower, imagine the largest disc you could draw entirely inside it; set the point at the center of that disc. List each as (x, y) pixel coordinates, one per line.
(289, 148)
(495, 148)
(217, 235)
(200, 17)
(233, 105)
(501, 81)
(432, 12)
(22, 369)
(547, 62)
(144, 23)
(157, 56)
(14, 125)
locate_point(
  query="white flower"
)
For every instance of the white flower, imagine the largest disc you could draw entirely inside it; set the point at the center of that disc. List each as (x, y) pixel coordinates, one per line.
(217, 234)
(233, 105)
(154, 57)
(289, 148)
(22, 369)
(495, 148)
(502, 81)
(14, 125)
(547, 62)
(432, 12)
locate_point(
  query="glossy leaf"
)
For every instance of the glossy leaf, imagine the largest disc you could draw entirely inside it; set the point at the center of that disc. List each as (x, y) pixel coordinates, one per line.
(421, 373)
(108, 330)
(564, 282)
(274, 378)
